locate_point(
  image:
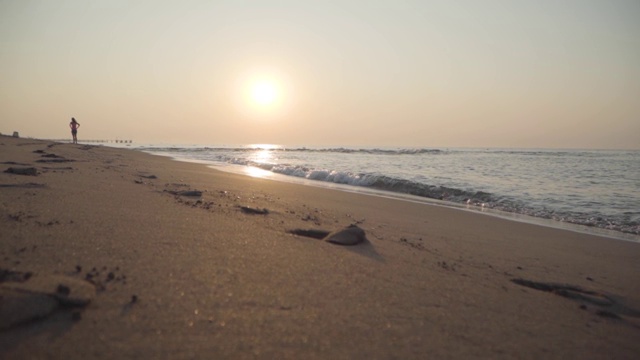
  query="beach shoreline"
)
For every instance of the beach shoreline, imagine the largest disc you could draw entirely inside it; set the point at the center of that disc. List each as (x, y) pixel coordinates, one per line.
(182, 270)
(264, 174)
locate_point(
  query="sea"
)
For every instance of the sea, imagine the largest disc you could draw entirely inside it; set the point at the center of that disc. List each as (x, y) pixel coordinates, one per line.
(592, 191)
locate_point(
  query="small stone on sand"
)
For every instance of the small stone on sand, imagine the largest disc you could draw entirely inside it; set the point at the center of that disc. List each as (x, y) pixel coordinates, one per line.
(351, 235)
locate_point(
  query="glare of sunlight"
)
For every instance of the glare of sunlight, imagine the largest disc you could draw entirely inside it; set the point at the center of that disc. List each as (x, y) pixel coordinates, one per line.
(264, 146)
(262, 156)
(263, 93)
(257, 172)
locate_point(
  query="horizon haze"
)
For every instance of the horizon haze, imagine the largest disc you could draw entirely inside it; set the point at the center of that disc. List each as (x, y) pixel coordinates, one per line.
(498, 74)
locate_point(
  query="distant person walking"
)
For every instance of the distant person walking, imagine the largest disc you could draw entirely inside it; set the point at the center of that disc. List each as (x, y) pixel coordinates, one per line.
(74, 125)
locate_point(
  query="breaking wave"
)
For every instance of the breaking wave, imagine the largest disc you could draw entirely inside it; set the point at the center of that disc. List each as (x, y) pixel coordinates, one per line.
(458, 176)
(339, 150)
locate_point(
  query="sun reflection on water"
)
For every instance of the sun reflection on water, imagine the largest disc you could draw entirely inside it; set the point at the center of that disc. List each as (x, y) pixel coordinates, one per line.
(257, 172)
(263, 154)
(265, 146)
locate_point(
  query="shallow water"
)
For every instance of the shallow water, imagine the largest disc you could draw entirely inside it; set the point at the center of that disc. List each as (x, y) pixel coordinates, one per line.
(599, 189)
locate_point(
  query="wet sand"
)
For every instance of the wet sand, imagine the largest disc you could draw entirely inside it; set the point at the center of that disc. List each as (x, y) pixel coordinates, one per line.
(121, 254)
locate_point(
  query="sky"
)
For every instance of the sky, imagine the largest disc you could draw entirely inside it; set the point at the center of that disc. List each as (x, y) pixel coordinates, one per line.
(441, 74)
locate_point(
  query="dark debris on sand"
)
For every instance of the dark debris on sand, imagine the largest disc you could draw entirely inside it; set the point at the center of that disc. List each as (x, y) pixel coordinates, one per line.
(606, 305)
(61, 160)
(189, 193)
(348, 236)
(29, 171)
(254, 211)
(24, 186)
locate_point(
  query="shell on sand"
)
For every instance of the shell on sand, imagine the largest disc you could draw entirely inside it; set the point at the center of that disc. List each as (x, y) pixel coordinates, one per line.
(351, 235)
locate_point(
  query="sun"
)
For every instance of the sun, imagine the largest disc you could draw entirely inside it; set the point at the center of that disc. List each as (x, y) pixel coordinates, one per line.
(264, 92)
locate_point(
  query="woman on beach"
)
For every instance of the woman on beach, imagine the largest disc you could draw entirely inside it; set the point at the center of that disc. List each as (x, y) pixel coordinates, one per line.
(74, 125)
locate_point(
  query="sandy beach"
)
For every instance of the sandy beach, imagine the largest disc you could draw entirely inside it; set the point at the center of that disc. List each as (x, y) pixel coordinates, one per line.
(125, 255)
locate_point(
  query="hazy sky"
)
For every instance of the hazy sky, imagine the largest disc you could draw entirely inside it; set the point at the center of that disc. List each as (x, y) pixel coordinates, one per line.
(510, 73)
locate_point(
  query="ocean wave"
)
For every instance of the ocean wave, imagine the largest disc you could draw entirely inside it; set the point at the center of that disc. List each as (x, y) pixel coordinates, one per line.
(472, 198)
(342, 150)
(378, 182)
(551, 206)
(374, 151)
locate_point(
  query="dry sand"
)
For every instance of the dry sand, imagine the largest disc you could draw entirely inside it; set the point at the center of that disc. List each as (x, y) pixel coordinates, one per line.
(175, 276)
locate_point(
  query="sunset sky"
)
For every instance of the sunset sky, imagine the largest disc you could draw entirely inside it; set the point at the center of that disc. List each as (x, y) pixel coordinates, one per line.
(510, 73)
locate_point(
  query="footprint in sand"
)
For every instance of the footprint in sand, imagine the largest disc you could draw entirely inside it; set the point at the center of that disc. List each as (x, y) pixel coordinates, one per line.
(54, 160)
(174, 190)
(254, 211)
(27, 297)
(29, 171)
(24, 186)
(190, 193)
(607, 305)
(13, 163)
